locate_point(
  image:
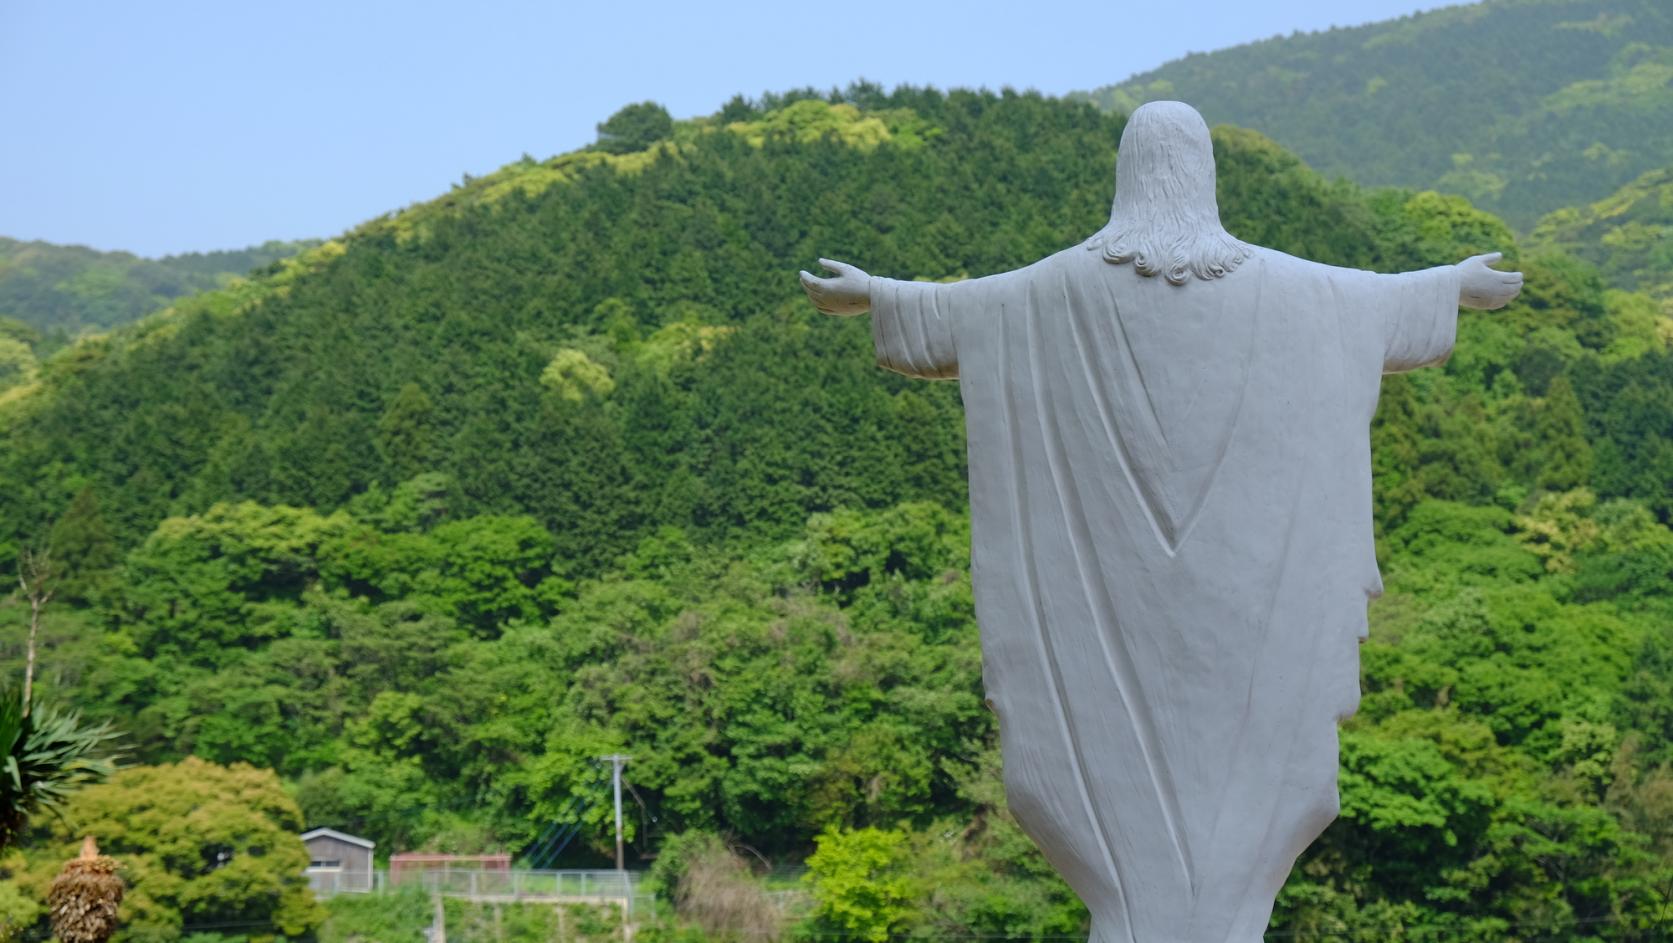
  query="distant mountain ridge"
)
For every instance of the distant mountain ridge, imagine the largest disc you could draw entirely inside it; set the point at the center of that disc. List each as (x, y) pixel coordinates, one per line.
(1523, 106)
(73, 288)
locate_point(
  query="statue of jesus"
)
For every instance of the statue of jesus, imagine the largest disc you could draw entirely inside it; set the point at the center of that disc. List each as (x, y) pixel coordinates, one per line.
(1170, 494)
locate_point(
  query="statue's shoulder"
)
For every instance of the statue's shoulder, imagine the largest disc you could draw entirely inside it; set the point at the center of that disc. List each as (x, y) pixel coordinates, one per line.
(1055, 264)
(1278, 262)
(1284, 263)
(1062, 258)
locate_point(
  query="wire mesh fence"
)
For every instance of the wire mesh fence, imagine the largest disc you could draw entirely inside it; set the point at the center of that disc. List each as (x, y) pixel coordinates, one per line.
(617, 888)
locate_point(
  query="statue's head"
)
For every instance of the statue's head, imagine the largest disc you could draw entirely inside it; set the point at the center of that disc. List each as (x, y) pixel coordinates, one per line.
(1166, 220)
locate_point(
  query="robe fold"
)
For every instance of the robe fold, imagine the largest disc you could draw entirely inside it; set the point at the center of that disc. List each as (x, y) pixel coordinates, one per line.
(1170, 492)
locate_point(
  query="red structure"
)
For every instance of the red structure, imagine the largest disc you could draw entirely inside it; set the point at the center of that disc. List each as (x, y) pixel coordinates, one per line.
(412, 866)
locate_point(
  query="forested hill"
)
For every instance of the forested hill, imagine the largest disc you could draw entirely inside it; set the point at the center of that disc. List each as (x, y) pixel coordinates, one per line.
(611, 343)
(66, 289)
(561, 463)
(1524, 106)
(1628, 235)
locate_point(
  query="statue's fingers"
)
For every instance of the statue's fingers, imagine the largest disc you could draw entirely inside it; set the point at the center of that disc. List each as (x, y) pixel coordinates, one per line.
(841, 268)
(1491, 258)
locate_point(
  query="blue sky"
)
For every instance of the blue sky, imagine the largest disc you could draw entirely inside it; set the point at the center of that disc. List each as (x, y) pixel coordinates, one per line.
(167, 127)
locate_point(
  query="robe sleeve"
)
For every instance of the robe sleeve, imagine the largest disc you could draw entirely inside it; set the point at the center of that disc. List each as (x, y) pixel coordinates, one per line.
(1417, 313)
(912, 326)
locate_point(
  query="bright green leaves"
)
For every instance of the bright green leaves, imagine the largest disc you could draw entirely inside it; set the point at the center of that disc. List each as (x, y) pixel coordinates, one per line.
(1487, 782)
(861, 887)
(200, 844)
(1628, 235)
(1406, 787)
(811, 120)
(848, 550)
(574, 376)
(491, 570)
(226, 579)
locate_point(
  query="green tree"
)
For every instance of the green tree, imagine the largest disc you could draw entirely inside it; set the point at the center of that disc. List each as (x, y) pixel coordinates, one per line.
(83, 550)
(1560, 430)
(860, 883)
(406, 432)
(205, 849)
(634, 128)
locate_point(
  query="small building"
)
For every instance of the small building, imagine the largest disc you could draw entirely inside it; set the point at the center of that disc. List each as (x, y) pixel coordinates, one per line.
(338, 862)
(439, 870)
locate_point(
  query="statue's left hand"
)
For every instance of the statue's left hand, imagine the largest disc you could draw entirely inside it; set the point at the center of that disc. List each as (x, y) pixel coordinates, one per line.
(1483, 287)
(849, 293)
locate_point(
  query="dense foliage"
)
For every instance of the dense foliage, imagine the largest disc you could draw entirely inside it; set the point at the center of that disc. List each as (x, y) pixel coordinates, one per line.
(63, 290)
(427, 519)
(205, 849)
(1524, 106)
(1628, 235)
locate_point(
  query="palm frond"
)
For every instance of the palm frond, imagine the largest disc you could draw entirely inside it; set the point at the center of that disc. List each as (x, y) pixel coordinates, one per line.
(47, 754)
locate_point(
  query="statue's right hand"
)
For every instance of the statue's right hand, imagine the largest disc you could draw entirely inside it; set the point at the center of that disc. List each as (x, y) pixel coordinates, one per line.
(849, 293)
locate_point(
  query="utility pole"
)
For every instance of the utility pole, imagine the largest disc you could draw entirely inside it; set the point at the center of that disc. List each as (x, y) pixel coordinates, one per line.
(617, 760)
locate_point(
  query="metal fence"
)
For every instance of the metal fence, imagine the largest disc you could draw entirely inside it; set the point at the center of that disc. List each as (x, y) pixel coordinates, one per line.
(329, 882)
(610, 888)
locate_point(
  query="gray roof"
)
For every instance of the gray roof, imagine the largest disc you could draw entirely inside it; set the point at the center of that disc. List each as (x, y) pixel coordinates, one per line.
(340, 836)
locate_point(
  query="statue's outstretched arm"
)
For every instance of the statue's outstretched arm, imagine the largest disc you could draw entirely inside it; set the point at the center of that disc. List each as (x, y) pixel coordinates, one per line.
(911, 322)
(1418, 311)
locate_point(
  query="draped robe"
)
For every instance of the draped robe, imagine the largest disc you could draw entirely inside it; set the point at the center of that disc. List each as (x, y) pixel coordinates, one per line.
(1170, 492)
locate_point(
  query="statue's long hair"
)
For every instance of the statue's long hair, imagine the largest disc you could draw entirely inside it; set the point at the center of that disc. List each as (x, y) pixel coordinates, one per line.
(1166, 220)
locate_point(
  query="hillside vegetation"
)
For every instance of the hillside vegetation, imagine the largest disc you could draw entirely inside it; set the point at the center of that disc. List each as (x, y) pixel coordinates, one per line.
(1523, 106)
(64, 290)
(1628, 235)
(429, 517)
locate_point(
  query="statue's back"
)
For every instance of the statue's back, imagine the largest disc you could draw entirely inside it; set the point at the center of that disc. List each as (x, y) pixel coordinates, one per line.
(1170, 488)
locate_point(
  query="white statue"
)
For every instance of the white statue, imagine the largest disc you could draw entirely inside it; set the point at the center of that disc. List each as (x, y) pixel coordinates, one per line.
(1170, 490)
